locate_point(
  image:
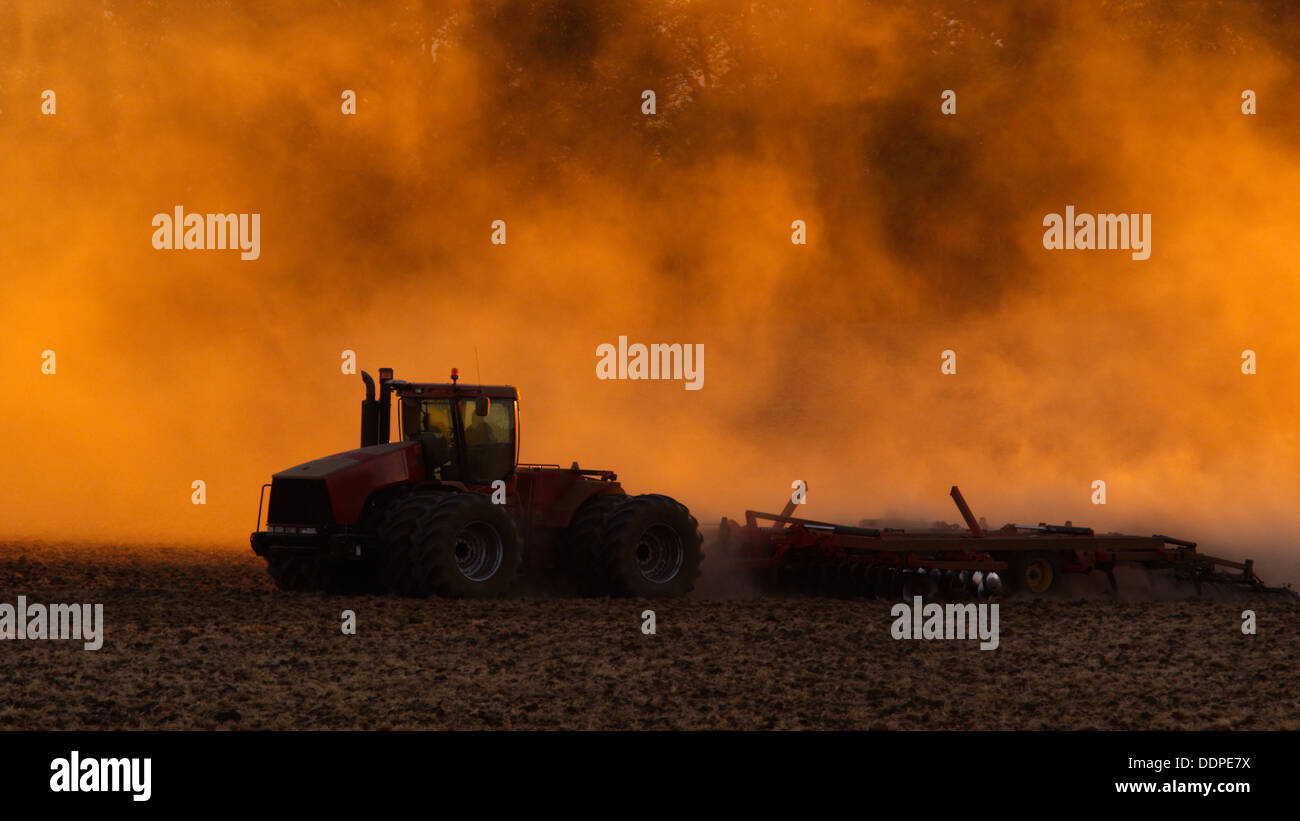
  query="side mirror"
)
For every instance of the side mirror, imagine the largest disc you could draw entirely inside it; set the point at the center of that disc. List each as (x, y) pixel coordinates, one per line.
(482, 405)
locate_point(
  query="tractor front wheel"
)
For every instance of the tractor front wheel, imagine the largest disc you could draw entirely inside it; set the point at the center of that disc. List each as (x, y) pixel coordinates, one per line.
(296, 573)
(465, 547)
(398, 525)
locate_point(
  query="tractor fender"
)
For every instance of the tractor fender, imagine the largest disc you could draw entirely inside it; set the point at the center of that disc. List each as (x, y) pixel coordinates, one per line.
(577, 494)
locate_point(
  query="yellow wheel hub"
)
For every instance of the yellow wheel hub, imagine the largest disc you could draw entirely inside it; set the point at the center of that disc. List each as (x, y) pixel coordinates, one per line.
(1038, 575)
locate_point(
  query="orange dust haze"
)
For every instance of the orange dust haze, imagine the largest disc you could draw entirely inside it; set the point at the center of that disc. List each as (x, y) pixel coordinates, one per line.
(822, 360)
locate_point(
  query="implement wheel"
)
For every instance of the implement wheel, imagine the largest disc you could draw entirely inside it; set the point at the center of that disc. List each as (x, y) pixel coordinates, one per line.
(1037, 573)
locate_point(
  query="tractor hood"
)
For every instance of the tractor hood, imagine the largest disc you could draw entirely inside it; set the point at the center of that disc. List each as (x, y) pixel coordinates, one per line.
(333, 464)
(349, 478)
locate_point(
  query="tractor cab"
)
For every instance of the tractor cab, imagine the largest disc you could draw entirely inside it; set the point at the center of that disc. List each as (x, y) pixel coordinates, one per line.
(467, 433)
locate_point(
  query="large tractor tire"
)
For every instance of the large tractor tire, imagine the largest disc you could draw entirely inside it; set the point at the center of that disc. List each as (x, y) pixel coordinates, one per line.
(297, 573)
(580, 543)
(650, 547)
(398, 524)
(465, 547)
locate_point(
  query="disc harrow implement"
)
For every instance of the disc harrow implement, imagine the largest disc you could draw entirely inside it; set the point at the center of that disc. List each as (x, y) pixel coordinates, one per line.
(844, 561)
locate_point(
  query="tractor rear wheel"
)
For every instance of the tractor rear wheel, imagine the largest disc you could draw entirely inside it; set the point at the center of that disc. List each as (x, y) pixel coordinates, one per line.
(297, 573)
(465, 547)
(581, 543)
(650, 547)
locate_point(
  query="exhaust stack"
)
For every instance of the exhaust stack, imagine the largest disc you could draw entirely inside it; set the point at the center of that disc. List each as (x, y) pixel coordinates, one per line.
(376, 412)
(369, 414)
(385, 403)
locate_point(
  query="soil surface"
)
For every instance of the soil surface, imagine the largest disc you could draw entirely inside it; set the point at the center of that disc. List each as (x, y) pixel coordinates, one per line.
(199, 638)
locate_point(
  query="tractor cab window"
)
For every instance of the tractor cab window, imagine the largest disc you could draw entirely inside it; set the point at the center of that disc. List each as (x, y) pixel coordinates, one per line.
(489, 440)
(430, 422)
(445, 427)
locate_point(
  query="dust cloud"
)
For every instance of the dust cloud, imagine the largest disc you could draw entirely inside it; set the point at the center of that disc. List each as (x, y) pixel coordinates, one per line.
(822, 360)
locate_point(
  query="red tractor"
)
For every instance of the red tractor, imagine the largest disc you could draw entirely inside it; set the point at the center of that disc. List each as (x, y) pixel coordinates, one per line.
(448, 509)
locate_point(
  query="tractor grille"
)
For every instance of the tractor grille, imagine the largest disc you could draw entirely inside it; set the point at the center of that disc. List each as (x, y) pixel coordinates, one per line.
(300, 502)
